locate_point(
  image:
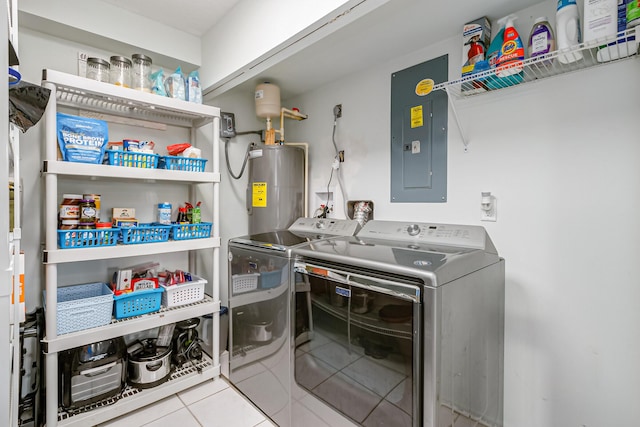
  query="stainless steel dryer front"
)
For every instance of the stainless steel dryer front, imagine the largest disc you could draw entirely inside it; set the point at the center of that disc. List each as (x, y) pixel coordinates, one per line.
(409, 325)
(261, 288)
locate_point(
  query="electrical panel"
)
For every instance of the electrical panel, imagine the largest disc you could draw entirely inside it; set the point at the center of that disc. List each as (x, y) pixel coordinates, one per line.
(419, 133)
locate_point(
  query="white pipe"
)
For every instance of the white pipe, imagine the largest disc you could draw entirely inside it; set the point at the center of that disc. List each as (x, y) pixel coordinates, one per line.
(305, 147)
(290, 114)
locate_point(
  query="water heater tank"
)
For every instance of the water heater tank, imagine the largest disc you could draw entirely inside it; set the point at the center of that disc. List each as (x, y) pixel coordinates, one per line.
(275, 192)
(267, 100)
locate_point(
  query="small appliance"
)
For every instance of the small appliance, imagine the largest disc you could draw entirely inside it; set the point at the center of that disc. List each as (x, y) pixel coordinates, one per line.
(92, 373)
(149, 364)
(187, 346)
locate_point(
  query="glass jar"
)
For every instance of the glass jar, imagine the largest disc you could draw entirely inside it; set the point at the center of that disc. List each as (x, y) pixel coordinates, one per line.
(141, 74)
(87, 213)
(120, 71)
(98, 69)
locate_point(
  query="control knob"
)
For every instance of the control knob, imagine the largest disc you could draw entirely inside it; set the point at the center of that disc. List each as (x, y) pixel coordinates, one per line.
(413, 229)
(320, 224)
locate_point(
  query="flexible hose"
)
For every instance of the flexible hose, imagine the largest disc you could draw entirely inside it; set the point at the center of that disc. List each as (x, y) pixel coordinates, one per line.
(338, 174)
(244, 164)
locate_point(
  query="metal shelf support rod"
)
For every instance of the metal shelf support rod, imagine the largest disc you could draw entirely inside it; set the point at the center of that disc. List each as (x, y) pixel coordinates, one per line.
(452, 104)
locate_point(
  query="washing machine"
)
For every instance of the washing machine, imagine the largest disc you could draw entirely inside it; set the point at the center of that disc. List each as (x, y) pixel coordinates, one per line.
(262, 290)
(408, 326)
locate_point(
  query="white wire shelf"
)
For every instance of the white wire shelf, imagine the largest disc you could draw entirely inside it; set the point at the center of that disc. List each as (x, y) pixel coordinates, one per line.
(133, 324)
(80, 92)
(131, 398)
(585, 55)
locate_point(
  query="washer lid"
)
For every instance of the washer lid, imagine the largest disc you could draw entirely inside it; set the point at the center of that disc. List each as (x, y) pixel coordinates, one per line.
(302, 231)
(416, 256)
(281, 240)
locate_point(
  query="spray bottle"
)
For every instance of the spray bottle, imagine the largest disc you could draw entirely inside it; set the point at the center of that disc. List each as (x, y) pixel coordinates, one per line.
(506, 49)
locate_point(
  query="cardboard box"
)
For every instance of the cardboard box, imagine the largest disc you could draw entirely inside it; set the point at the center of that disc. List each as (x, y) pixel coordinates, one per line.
(123, 223)
(123, 213)
(476, 37)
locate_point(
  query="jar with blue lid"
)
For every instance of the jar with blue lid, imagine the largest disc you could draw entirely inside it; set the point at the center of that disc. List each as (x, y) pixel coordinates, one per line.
(164, 213)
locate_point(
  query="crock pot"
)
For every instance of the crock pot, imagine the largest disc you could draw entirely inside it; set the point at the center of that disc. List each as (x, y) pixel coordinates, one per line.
(148, 364)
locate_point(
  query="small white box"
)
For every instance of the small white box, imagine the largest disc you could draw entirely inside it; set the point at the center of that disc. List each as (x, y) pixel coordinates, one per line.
(123, 213)
(476, 37)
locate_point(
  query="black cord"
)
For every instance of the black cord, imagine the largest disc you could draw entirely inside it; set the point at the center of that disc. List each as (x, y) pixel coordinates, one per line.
(244, 164)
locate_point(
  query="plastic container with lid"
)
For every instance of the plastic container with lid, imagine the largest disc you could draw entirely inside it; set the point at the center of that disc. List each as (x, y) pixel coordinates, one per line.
(120, 71)
(164, 213)
(568, 31)
(633, 13)
(70, 206)
(98, 69)
(541, 40)
(141, 74)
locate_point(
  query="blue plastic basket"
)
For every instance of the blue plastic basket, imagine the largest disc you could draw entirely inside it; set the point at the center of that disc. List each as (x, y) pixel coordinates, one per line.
(68, 239)
(83, 307)
(145, 233)
(178, 163)
(191, 231)
(132, 159)
(137, 303)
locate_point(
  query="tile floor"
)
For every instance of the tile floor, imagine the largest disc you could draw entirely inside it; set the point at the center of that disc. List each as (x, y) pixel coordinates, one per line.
(211, 404)
(216, 404)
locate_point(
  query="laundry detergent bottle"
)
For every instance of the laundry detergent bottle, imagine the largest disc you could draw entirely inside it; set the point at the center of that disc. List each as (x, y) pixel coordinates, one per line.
(568, 30)
(506, 54)
(541, 40)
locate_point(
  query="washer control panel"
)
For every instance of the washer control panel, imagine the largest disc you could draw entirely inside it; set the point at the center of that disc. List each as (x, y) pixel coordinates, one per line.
(468, 236)
(335, 227)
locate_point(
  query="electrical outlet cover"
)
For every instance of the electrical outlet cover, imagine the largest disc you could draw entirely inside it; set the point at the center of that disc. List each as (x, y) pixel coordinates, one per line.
(227, 125)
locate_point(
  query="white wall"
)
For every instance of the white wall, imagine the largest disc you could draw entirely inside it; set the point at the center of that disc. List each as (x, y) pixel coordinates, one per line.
(256, 35)
(561, 156)
(108, 26)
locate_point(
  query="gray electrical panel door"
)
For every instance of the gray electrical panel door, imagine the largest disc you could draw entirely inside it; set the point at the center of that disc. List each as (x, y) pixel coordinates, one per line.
(419, 133)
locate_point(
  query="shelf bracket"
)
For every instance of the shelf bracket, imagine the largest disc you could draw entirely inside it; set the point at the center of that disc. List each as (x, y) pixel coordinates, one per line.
(452, 103)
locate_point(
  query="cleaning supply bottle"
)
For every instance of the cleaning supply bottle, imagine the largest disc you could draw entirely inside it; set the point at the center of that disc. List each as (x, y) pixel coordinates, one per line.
(505, 55)
(541, 40)
(511, 55)
(568, 30)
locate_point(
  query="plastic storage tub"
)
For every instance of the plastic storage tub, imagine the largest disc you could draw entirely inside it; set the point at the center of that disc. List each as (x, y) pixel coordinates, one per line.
(244, 282)
(137, 303)
(145, 233)
(132, 159)
(73, 239)
(191, 231)
(183, 293)
(179, 163)
(83, 307)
